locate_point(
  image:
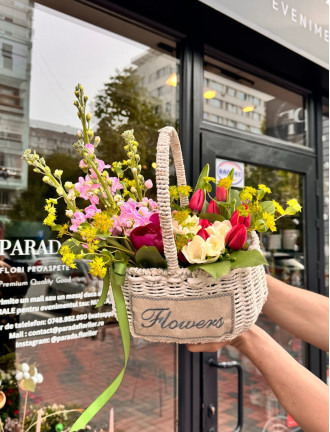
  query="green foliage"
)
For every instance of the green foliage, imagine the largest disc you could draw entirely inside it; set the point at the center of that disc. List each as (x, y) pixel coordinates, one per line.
(201, 181)
(149, 256)
(123, 104)
(216, 270)
(250, 258)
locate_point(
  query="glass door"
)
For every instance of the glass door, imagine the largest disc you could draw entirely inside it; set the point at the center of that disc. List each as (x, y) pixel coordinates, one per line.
(260, 128)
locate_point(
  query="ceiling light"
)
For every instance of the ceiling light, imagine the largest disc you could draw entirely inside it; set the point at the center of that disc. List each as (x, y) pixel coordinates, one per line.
(248, 108)
(172, 80)
(209, 94)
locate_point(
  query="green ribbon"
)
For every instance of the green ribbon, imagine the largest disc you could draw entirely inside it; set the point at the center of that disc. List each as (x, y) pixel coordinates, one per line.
(117, 278)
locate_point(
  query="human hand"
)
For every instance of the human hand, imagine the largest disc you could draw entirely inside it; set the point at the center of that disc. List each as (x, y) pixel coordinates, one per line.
(208, 347)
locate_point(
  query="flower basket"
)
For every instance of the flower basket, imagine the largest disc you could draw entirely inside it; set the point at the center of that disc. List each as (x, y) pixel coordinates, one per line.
(180, 306)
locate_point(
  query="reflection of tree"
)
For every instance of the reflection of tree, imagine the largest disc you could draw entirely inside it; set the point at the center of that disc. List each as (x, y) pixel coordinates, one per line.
(124, 104)
(29, 205)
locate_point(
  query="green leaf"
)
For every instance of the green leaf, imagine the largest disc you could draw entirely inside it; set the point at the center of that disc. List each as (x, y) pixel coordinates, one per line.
(204, 173)
(105, 289)
(267, 206)
(250, 258)
(29, 385)
(234, 199)
(56, 227)
(211, 217)
(216, 270)
(149, 257)
(74, 245)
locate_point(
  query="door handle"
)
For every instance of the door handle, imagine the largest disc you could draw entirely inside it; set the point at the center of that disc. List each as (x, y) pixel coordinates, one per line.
(240, 404)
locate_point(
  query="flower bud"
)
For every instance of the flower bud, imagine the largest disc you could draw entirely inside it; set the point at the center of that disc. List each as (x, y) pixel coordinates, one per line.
(237, 219)
(75, 103)
(58, 173)
(203, 233)
(85, 98)
(221, 193)
(236, 238)
(59, 191)
(90, 133)
(76, 93)
(69, 213)
(197, 201)
(79, 134)
(261, 225)
(134, 170)
(68, 185)
(212, 208)
(133, 190)
(148, 184)
(88, 116)
(97, 140)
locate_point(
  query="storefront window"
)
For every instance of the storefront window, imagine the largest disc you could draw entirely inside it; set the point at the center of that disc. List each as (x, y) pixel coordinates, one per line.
(284, 252)
(263, 107)
(48, 323)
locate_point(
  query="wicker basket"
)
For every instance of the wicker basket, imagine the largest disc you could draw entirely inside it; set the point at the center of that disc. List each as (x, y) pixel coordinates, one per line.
(177, 305)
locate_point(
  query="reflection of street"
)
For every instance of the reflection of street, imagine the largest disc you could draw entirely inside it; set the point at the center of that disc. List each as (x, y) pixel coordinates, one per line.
(77, 372)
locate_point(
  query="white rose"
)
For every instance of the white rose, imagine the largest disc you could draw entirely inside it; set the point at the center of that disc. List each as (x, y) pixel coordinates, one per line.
(215, 245)
(219, 228)
(195, 251)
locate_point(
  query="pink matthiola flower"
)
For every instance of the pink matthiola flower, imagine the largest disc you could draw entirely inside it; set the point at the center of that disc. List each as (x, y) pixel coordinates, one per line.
(101, 164)
(91, 210)
(151, 204)
(90, 148)
(86, 187)
(94, 199)
(130, 217)
(78, 219)
(82, 164)
(115, 185)
(148, 184)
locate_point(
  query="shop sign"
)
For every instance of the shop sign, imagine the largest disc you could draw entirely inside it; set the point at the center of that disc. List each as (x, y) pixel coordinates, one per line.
(223, 168)
(300, 25)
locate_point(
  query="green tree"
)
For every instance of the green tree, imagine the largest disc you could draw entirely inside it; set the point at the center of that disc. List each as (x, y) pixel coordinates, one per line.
(125, 104)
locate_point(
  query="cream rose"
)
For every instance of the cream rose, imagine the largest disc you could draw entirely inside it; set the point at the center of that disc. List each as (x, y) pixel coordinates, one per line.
(219, 228)
(215, 245)
(199, 251)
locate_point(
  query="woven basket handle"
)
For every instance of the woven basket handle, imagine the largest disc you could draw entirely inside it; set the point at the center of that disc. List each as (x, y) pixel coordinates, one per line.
(168, 138)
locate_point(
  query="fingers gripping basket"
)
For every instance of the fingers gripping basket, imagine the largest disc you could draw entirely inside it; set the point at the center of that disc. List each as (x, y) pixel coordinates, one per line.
(177, 305)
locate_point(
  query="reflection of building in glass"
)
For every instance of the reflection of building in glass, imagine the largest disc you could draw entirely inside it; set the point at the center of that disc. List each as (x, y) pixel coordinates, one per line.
(47, 138)
(15, 64)
(158, 74)
(325, 142)
(232, 104)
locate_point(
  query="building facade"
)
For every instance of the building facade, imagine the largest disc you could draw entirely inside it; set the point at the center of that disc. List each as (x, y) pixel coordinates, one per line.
(244, 87)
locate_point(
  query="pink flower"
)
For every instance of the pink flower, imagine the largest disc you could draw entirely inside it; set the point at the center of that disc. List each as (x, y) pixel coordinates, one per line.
(221, 193)
(82, 164)
(115, 185)
(237, 219)
(197, 201)
(237, 236)
(204, 223)
(78, 219)
(86, 188)
(148, 235)
(212, 208)
(148, 184)
(90, 148)
(91, 210)
(101, 164)
(203, 233)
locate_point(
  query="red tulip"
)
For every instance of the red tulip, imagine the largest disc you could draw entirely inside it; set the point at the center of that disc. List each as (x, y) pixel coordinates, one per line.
(197, 201)
(147, 235)
(204, 223)
(182, 258)
(236, 238)
(237, 219)
(212, 207)
(203, 233)
(221, 193)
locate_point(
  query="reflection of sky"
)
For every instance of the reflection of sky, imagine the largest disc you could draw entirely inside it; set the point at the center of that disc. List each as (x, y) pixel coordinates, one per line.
(66, 51)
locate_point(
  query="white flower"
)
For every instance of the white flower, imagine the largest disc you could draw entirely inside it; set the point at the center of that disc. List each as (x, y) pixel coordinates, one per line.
(195, 251)
(215, 245)
(19, 376)
(189, 226)
(25, 367)
(40, 378)
(26, 375)
(219, 228)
